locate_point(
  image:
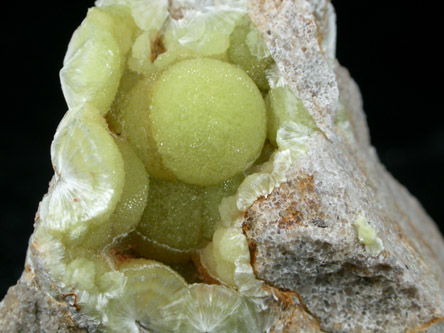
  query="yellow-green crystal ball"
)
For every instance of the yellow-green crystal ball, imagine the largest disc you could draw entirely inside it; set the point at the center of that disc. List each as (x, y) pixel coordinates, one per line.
(208, 120)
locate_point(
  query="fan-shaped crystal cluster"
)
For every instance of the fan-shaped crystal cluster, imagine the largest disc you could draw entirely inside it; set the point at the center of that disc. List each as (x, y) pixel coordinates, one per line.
(178, 120)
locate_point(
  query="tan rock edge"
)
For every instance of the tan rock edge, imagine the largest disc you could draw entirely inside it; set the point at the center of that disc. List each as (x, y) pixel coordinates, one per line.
(340, 245)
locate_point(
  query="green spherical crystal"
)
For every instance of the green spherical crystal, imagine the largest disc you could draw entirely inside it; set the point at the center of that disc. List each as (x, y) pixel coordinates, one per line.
(282, 106)
(212, 197)
(129, 117)
(134, 197)
(208, 119)
(173, 215)
(243, 40)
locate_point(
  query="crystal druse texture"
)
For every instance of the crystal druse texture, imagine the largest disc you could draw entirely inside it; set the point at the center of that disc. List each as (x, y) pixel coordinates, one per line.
(214, 173)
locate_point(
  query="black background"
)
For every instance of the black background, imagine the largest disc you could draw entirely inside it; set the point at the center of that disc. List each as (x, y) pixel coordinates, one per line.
(390, 48)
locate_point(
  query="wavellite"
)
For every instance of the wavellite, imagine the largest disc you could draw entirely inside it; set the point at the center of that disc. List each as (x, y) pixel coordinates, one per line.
(214, 174)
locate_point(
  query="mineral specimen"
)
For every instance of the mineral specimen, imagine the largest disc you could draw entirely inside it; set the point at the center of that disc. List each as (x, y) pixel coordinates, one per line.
(214, 174)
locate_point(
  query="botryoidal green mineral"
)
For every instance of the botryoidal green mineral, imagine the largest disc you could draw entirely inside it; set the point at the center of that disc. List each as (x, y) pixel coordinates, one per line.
(171, 124)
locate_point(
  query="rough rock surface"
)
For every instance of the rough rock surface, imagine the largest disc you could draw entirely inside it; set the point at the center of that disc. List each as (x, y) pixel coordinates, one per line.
(35, 305)
(302, 237)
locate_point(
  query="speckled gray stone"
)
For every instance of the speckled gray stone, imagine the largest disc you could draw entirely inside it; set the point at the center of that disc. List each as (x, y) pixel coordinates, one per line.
(302, 234)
